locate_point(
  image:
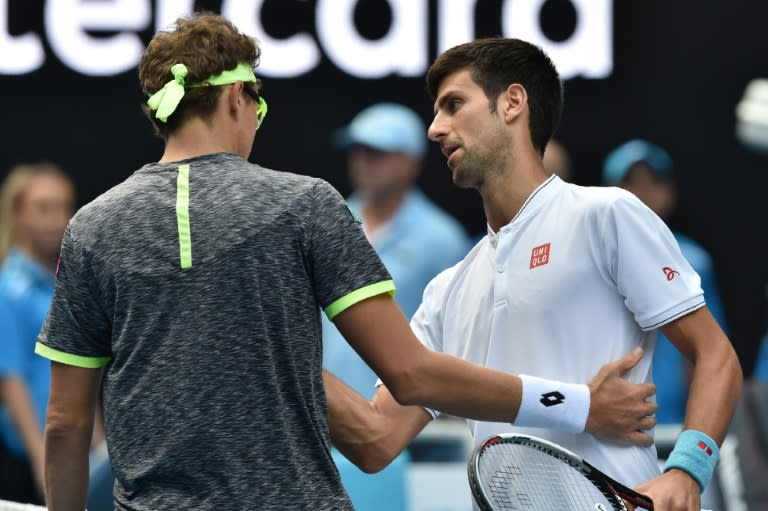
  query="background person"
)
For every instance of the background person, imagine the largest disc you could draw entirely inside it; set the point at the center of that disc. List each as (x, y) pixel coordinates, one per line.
(557, 160)
(36, 202)
(760, 372)
(646, 170)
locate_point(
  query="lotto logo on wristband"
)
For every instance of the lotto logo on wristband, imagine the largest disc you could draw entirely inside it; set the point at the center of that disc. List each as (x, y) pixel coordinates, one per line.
(552, 399)
(704, 447)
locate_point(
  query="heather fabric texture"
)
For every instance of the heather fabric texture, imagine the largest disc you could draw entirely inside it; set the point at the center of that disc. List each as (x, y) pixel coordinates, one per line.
(213, 393)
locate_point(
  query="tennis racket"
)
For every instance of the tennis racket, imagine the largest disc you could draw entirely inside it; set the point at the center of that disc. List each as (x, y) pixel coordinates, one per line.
(523, 472)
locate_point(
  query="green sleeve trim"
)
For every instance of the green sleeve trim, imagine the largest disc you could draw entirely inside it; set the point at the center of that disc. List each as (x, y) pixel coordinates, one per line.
(182, 216)
(70, 359)
(347, 301)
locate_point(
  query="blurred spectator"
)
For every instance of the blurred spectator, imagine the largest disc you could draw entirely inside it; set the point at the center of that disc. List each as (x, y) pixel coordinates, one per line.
(761, 367)
(760, 371)
(557, 160)
(37, 201)
(646, 170)
(415, 239)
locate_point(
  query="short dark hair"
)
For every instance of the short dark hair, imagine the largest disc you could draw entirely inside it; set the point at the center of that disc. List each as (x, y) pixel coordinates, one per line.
(207, 44)
(497, 62)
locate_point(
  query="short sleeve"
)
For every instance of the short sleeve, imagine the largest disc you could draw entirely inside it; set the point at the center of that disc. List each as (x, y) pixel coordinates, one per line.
(644, 260)
(702, 262)
(427, 322)
(76, 331)
(344, 266)
(11, 341)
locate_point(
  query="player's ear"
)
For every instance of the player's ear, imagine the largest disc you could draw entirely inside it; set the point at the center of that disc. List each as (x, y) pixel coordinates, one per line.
(235, 97)
(513, 101)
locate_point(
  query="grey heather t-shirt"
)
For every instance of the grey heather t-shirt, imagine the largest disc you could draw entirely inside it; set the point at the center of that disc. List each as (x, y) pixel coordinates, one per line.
(213, 395)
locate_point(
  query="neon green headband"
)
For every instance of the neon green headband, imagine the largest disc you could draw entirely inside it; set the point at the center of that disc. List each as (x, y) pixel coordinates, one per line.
(165, 101)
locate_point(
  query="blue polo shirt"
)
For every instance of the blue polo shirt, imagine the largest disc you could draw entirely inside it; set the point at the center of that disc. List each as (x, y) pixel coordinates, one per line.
(26, 289)
(420, 241)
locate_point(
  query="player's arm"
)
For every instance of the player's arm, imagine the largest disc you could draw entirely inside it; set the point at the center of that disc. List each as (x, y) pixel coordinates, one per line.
(716, 374)
(715, 387)
(69, 425)
(378, 331)
(370, 433)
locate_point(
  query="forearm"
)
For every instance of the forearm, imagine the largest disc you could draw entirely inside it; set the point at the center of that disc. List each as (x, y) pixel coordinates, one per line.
(15, 397)
(716, 377)
(378, 331)
(69, 426)
(351, 419)
(714, 390)
(715, 387)
(370, 433)
(461, 388)
(66, 467)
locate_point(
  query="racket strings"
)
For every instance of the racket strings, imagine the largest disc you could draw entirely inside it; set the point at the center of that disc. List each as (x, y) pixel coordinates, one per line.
(520, 477)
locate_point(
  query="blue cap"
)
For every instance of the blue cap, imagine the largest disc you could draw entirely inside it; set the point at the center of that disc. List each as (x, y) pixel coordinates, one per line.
(620, 160)
(386, 127)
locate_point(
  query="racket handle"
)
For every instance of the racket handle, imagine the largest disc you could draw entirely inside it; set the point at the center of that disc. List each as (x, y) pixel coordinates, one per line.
(636, 499)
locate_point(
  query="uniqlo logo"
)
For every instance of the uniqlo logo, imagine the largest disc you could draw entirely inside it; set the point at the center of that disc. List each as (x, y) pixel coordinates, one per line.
(540, 255)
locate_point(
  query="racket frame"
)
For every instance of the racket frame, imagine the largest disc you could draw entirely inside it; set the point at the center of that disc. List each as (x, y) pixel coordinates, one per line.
(615, 492)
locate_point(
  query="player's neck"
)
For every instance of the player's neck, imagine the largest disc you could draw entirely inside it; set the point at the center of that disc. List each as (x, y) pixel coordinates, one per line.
(504, 194)
(198, 138)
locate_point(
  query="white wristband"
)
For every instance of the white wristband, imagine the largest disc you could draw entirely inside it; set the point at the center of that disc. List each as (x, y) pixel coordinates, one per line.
(553, 404)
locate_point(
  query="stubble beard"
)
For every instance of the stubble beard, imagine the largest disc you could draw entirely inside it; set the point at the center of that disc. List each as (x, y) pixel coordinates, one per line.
(475, 167)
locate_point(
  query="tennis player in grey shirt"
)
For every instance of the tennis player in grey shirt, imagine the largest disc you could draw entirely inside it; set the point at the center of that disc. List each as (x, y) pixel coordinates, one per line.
(213, 392)
(191, 294)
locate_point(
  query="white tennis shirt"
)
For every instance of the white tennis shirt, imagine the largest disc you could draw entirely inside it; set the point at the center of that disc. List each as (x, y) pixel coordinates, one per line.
(579, 278)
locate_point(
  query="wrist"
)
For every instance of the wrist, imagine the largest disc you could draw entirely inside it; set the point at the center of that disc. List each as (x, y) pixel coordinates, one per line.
(553, 404)
(696, 454)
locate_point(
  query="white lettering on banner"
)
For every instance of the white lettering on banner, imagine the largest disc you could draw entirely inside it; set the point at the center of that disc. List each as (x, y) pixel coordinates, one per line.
(281, 58)
(455, 23)
(66, 23)
(403, 50)
(588, 52)
(19, 54)
(169, 11)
